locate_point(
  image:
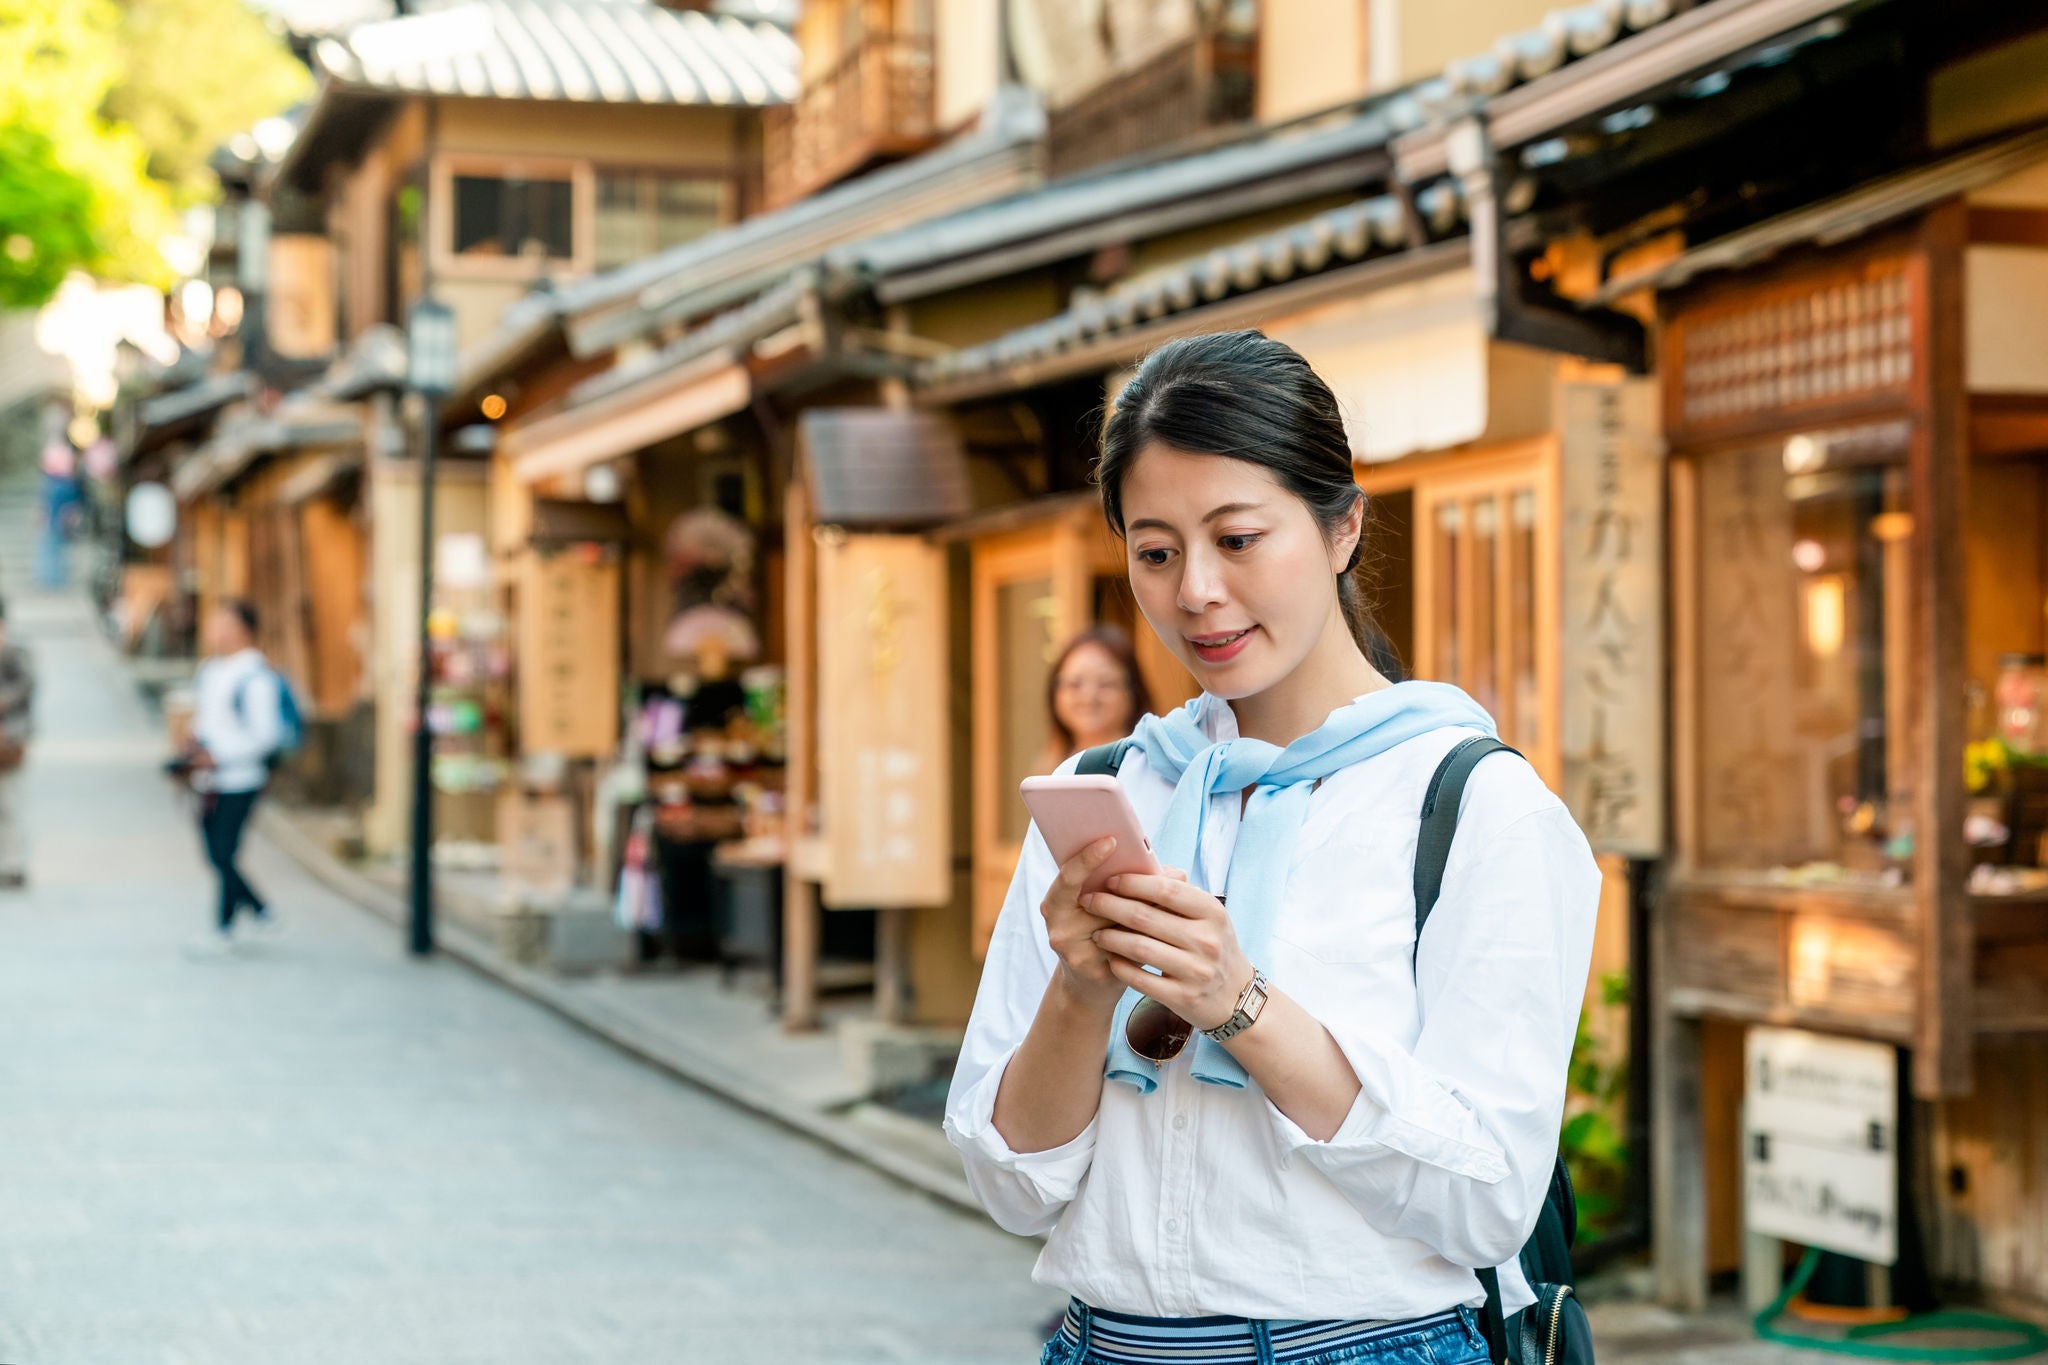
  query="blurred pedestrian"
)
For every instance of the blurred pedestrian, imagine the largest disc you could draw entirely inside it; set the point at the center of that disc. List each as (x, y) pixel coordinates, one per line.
(1093, 695)
(1294, 1125)
(60, 509)
(17, 702)
(238, 725)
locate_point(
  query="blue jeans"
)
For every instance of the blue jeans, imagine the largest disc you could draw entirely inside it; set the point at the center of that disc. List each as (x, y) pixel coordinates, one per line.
(1093, 1337)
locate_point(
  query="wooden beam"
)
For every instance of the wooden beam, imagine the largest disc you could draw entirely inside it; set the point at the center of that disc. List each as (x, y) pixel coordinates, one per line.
(2008, 226)
(2007, 426)
(1937, 466)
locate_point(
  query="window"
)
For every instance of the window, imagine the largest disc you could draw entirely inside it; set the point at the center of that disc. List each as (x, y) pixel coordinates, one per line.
(1802, 618)
(512, 219)
(640, 215)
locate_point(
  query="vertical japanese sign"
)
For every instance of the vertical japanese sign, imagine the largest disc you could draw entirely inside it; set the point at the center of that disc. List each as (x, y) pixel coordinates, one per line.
(884, 725)
(1613, 590)
(568, 655)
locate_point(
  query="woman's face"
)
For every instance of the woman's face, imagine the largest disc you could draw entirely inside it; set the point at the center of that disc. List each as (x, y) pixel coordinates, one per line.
(1228, 566)
(1092, 698)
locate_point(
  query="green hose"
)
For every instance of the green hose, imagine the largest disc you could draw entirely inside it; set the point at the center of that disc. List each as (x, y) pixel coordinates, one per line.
(1861, 1341)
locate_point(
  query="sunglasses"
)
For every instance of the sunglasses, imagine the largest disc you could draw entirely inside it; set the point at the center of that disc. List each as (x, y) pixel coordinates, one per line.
(1155, 1032)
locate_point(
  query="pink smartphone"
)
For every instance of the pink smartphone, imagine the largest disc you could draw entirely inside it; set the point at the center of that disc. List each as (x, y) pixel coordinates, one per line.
(1073, 812)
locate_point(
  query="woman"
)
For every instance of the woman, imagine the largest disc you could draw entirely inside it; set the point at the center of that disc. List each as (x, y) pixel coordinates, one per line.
(1094, 694)
(1319, 1182)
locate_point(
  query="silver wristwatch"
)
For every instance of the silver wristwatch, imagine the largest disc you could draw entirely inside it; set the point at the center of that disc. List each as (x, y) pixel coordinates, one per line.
(1249, 1006)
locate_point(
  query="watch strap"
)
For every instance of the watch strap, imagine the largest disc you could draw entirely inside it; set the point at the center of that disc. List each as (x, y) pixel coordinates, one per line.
(1242, 1018)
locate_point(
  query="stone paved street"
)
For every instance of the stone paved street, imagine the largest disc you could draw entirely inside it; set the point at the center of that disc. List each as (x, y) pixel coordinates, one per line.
(319, 1151)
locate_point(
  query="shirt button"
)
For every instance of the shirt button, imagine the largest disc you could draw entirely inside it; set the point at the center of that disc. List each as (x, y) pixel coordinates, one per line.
(1180, 1121)
(1173, 1225)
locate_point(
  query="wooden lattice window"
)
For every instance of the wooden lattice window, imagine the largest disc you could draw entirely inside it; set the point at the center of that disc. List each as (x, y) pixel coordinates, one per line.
(1828, 339)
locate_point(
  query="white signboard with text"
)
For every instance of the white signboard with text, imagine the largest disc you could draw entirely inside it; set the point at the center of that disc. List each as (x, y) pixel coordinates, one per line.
(1820, 1142)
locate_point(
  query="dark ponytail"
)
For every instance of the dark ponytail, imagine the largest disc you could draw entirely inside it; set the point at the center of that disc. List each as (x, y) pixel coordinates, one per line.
(1244, 395)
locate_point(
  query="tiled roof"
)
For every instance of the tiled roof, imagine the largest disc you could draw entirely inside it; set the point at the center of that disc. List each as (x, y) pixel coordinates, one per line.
(1337, 237)
(597, 51)
(322, 18)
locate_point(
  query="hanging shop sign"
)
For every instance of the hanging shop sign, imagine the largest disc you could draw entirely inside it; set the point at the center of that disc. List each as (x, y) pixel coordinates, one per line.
(1820, 1142)
(1613, 595)
(568, 654)
(884, 770)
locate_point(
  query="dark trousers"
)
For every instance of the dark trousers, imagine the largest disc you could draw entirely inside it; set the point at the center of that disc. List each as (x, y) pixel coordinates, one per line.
(222, 816)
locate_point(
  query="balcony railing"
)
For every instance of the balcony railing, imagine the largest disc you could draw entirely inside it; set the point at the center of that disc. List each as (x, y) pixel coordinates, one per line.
(875, 104)
(1196, 85)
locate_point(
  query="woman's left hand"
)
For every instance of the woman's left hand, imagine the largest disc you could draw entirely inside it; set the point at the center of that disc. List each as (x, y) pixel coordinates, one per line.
(1182, 930)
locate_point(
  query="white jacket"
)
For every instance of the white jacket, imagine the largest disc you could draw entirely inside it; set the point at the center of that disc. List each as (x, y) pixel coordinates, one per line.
(239, 721)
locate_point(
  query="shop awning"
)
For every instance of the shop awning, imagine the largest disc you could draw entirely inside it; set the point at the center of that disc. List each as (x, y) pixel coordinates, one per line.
(629, 418)
(1843, 217)
(882, 469)
(298, 425)
(320, 475)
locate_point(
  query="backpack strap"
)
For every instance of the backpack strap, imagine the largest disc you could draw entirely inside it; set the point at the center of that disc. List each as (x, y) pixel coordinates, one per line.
(1104, 759)
(1432, 855)
(1440, 820)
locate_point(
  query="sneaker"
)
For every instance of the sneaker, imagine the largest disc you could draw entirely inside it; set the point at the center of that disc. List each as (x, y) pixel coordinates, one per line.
(263, 921)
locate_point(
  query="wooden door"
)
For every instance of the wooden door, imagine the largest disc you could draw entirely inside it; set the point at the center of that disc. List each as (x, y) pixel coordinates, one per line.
(1485, 578)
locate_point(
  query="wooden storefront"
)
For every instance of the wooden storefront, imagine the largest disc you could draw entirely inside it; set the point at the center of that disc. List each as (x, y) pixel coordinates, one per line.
(1855, 524)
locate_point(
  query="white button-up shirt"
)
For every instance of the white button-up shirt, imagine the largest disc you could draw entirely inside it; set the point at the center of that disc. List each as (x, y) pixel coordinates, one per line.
(1199, 1199)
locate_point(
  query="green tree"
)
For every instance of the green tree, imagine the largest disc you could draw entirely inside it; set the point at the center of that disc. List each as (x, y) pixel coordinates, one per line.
(108, 113)
(61, 58)
(192, 73)
(46, 218)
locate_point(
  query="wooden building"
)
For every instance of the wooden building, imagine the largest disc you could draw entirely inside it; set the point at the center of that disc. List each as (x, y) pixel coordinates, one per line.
(484, 155)
(1829, 219)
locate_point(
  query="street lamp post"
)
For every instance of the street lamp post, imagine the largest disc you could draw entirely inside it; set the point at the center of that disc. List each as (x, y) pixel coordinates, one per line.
(431, 374)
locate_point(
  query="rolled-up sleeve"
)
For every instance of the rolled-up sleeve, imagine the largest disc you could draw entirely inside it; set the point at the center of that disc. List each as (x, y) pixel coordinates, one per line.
(1451, 1142)
(1025, 1192)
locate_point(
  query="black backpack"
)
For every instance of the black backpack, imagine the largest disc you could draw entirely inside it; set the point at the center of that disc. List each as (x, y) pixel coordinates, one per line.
(1554, 1330)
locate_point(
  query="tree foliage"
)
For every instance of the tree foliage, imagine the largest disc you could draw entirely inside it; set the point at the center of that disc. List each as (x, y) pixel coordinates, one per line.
(107, 115)
(193, 73)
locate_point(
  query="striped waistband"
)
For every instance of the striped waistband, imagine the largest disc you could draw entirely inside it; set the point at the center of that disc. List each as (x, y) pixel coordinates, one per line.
(1122, 1339)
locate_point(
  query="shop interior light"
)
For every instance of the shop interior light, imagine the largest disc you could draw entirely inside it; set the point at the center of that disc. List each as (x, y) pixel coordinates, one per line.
(1827, 615)
(1804, 453)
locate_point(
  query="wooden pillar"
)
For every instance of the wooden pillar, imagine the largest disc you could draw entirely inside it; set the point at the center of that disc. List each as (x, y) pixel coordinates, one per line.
(800, 909)
(1678, 1179)
(892, 965)
(1937, 467)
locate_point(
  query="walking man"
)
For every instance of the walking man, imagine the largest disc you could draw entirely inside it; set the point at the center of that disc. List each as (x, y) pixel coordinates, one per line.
(237, 726)
(17, 699)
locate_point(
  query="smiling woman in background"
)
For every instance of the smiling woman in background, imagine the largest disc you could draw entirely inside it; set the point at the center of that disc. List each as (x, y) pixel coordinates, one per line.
(1093, 695)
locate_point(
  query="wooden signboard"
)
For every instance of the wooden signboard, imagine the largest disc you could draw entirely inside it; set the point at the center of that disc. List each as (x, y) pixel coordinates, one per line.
(1613, 616)
(568, 655)
(884, 764)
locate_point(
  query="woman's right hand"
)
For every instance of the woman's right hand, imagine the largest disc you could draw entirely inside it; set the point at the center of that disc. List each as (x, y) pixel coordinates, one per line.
(1084, 966)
